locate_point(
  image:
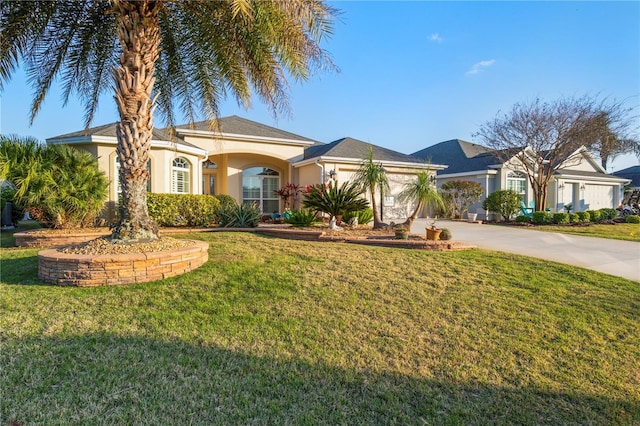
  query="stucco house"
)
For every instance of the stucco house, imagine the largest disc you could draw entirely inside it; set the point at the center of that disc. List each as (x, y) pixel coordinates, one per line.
(579, 180)
(247, 160)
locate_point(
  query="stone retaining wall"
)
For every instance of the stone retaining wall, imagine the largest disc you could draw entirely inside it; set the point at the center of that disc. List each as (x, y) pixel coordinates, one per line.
(66, 269)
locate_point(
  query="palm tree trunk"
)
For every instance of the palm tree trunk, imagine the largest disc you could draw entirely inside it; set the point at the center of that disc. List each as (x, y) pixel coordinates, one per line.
(139, 35)
(377, 221)
(407, 223)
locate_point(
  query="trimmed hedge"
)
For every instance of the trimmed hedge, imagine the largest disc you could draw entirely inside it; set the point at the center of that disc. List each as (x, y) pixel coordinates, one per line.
(607, 213)
(584, 217)
(594, 215)
(632, 218)
(560, 218)
(574, 218)
(523, 219)
(542, 218)
(182, 209)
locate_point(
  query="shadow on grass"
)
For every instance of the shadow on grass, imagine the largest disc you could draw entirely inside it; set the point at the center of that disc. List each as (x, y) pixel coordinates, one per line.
(20, 267)
(105, 379)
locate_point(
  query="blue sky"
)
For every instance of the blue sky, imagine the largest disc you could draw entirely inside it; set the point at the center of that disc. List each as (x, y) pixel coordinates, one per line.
(414, 73)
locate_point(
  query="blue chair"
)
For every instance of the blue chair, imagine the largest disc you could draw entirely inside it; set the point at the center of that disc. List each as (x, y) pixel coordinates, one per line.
(526, 211)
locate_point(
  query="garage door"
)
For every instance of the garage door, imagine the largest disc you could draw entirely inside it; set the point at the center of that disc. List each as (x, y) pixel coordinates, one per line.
(598, 196)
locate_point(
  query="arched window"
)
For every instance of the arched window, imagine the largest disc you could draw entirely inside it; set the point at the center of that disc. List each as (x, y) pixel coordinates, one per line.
(517, 181)
(259, 185)
(180, 175)
(116, 181)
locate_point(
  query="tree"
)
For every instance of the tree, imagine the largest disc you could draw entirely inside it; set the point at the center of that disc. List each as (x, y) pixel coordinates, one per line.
(539, 138)
(613, 136)
(463, 193)
(423, 192)
(189, 54)
(504, 202)
(371, 176)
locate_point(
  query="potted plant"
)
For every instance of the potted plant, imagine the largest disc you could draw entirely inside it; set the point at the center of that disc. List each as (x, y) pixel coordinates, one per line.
(433, 233)
(402, 233)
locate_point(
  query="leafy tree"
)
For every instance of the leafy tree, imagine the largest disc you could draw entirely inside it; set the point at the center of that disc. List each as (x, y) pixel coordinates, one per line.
(334, 200)
(60, 186)
(369, 177)
(463, 193)
(423, 193)
(186, 54)
(539, 138)
(506, 203)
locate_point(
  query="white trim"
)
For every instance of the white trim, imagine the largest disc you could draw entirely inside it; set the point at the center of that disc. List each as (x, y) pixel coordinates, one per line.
(155, 143)
(603, 179)
(217, 135)
(347, 160)
(474, 173)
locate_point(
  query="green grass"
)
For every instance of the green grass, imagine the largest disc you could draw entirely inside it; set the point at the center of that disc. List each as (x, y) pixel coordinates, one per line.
(272, 331)
(619, 231)
(6, 236)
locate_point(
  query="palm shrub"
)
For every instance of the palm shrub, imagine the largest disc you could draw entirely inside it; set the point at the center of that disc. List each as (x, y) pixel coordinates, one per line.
(364, 216)
(60, 186)
(505, 202)
(302, 217)
(245, 215)
(372, 177)
(334, 200)
(423, 193)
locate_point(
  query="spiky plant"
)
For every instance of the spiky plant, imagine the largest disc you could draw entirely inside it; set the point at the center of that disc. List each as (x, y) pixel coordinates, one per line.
(421, 191)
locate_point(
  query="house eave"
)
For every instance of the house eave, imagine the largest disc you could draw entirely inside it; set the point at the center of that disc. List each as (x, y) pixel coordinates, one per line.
(241, 137)
(110, 140)
(347, 160)
(471, 173)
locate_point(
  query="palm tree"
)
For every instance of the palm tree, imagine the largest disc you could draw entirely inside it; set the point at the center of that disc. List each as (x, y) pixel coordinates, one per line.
(423, 192)
(371, 176)
(186, 54)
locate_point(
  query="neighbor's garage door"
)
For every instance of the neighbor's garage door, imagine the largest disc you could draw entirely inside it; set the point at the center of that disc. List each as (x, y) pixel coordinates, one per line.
(598, 196)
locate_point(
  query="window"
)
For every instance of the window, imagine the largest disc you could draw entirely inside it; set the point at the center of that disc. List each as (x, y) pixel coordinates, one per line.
(116, 181)
(259, 185)
(517, 181)
(180, 176)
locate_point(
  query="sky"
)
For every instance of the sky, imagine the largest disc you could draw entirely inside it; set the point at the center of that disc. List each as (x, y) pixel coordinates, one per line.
(415, 73)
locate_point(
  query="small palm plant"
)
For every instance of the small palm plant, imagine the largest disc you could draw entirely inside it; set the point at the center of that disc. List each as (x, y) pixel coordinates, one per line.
(423, 193)
(369, 177)
(334, 200)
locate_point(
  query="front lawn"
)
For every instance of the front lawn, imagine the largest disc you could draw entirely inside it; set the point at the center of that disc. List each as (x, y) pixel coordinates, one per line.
(273, 331)
(619, 231)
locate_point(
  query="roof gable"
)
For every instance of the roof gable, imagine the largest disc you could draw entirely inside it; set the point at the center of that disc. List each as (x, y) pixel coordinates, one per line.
(461, 156)
(356, 149)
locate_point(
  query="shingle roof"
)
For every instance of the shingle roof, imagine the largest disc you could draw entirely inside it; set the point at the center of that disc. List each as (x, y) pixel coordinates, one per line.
(461, 156)
(632, 173)
(241, 126)
(109, 130)
(356, 149)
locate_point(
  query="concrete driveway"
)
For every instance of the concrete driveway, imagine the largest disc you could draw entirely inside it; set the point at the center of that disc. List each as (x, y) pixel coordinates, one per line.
(615, 257)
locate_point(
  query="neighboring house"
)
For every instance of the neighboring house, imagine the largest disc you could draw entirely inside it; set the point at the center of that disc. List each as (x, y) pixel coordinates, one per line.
(632, 174)
(579, 180)
(246, 160)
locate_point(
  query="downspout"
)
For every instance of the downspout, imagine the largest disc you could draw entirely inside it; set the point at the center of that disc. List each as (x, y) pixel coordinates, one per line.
(322, 172)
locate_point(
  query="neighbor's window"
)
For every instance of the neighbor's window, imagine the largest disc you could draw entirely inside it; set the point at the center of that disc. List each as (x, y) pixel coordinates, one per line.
(180, 171)
(116, 181)
(517, 181)
(259, 185)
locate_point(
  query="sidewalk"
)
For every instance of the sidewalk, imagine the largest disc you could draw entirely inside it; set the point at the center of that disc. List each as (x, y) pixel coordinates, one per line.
(614, 257)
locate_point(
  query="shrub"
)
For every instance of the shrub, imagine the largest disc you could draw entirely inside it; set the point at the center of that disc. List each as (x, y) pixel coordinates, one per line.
(445, 234)
(301, 217)
(632, 218)
(506, 203)
(523, 219)
(560, 218)
(239, 216)
(334, 200)
(182, 209)
(594, 215)
(7, 195)
(60, 186)
(364, 216)
(608, 213)
(584, 217)
(463, 193)
(542, 218)
(574, 218)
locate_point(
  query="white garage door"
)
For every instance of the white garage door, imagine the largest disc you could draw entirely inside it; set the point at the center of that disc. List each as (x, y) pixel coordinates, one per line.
(598, 196)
